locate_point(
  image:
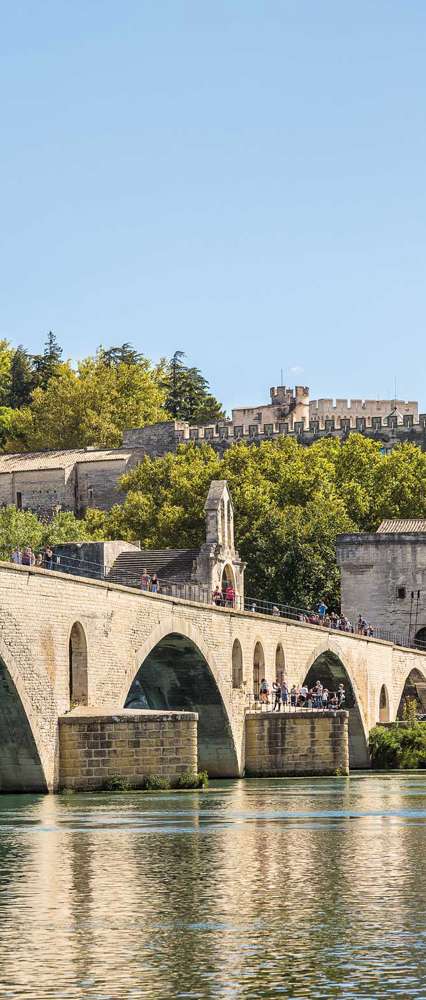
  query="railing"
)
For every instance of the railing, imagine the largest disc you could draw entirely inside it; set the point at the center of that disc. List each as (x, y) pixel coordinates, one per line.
(185, 590)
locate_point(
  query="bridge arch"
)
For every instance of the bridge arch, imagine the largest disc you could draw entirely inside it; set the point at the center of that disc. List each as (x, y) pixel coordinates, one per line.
(327, 665)
(413, 688)
(174, 670)
(279, 664)
(237, 664)
(22, 768)
(258, 667)
(77, 654)
(384, 711)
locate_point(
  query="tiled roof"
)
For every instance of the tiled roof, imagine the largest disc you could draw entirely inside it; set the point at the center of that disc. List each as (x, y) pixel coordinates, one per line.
(32, 460)
(404, 526)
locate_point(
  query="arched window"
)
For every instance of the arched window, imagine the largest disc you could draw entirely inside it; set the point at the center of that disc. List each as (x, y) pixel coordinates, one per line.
(237, 665)
(279, 665)
(228, 580)
(258, 668)
(78, 665)
(384, 705)
(420, 638)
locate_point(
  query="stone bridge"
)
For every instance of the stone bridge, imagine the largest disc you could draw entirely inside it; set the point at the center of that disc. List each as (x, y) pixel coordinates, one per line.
(68, 640)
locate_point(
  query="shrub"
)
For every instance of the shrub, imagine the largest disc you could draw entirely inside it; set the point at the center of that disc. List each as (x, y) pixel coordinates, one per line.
(191, 779)
(396, 746)
(116, 783)
(155, 783)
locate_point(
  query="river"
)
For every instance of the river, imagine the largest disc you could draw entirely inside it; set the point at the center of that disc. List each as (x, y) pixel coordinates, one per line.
(274, 888)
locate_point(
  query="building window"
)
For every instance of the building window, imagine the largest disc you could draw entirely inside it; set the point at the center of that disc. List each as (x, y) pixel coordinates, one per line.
(193, 433)
(392, 422)
(238, 431)
(299, 426)
(329, 424)
(19, 501)
(408, 420)
(283, 428)
(90, 492)
(314, 426)
(360, 423)
(345, 424)
(223, 432)
(253, 429)
(400, 593)
(376, 423)
(268, 429)
(208, 433)
(259, 418)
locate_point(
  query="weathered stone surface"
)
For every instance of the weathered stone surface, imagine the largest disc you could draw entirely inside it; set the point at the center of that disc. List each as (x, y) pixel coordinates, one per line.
(283, 744)
(94, 747)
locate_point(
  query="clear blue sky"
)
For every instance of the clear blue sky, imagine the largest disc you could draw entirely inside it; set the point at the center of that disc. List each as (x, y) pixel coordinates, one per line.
(245, 181)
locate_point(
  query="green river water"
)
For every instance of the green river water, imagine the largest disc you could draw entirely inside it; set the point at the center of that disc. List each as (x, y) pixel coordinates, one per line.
(273, 888)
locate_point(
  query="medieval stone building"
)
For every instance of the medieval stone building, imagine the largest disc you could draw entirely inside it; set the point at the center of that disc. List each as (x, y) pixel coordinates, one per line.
(383, 577)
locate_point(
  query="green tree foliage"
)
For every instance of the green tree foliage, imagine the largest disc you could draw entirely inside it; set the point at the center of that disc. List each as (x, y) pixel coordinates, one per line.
(89, 406)
(187, 393)
(46, 365)
(22, 378)
(6, 358)
(398, 746)
(290, 503)
(21, 527)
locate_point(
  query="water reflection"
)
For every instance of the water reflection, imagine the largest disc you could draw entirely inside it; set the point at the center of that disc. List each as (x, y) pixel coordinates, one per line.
(254, 889)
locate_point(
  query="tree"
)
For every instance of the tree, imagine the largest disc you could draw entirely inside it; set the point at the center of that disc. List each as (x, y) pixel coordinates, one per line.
(187, 395)
(290, 503)
(124, 355)
(22, 380)
(6, 358)
(90, 406)
(46, 365)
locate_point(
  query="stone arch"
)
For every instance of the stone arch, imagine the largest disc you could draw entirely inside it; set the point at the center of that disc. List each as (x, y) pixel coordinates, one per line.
(414, 688)
(258, 668)
(22, 764)
(279, 664)
(174, 670)
(228, 577)
(327, 665)
(384, 712)
(77, 653)
(420, 638)
(237, 664)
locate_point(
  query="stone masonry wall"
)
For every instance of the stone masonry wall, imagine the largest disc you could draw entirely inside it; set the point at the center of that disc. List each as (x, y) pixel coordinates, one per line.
(38, 610)
(300, 743)
(94, 747)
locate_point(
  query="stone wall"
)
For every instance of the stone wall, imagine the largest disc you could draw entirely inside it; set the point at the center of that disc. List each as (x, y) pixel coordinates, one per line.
(281, 744)
(95, 747)
(379, 573)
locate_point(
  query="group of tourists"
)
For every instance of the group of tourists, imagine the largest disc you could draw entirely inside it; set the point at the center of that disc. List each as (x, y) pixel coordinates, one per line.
(224, 598)
(45, 559)
(317, 697)
(340, 622)
(150, 583)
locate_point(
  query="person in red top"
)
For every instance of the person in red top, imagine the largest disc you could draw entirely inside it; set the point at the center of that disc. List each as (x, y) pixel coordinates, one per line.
(230, 596)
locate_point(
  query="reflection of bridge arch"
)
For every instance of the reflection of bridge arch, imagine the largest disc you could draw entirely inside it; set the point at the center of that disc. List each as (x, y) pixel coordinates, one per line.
(326, 664)
(411, 690)
(21, 767)
(176, 671)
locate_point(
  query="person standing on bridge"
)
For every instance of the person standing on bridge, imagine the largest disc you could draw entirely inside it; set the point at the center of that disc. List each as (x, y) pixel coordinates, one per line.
(145, 580)
(28, 557)
(276, 687)
(16, 556)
